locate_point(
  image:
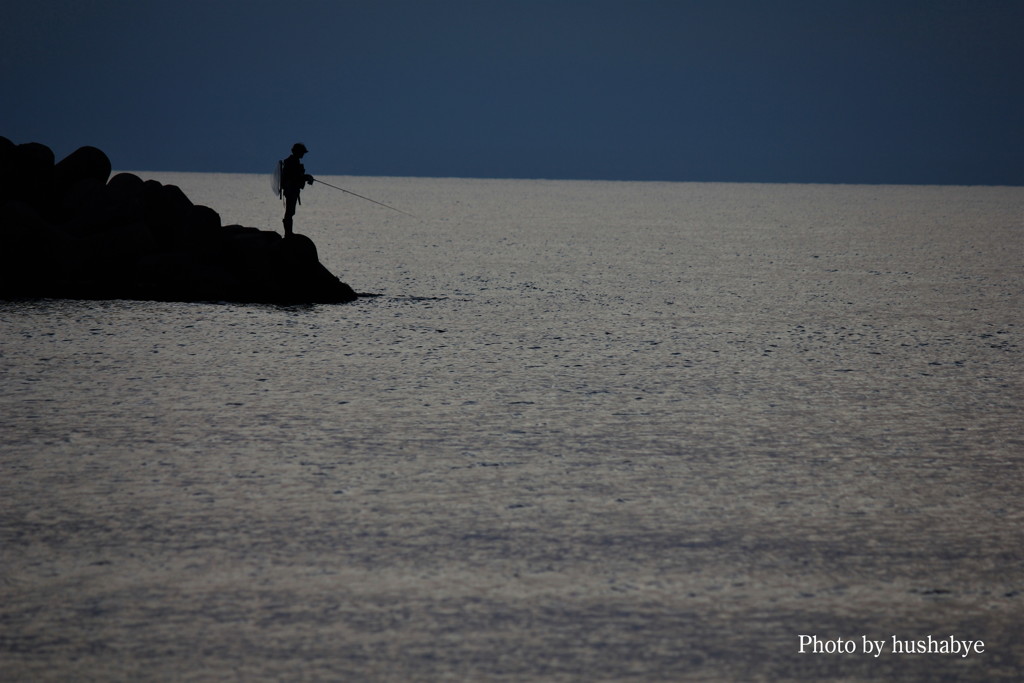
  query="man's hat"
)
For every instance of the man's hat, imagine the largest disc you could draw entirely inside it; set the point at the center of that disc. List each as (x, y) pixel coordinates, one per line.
(299, 147)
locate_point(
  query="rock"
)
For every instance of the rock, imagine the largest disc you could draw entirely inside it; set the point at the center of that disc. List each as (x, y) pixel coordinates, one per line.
(7, 152)
(84, 207)
(70, 230)
(85, 163)
(179, 276)
(202, 227)
(301, 271)
(34, 253)
(166, 208)
(31, 175)
(126, 188)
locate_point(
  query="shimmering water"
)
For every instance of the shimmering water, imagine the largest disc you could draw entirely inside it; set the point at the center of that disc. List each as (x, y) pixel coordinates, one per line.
(586, 431)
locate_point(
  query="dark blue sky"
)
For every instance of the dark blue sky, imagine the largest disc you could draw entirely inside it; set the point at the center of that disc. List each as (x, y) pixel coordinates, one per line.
(860, 91)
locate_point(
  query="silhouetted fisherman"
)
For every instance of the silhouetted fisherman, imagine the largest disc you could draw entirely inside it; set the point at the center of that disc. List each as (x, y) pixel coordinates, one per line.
(293, 177)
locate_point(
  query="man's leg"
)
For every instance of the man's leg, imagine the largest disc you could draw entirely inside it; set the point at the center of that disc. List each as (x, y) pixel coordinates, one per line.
(289, 211)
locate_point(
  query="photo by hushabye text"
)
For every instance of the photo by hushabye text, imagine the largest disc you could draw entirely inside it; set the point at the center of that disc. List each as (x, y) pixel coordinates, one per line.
(812, 644)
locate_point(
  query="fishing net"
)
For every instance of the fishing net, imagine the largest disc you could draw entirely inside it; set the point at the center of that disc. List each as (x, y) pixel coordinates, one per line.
(275, 180)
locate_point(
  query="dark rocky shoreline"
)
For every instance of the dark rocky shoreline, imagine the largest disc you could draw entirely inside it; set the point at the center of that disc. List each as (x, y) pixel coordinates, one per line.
(70, 230)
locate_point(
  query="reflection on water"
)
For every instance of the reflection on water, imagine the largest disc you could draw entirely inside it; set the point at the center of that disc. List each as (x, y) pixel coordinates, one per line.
(587, 430)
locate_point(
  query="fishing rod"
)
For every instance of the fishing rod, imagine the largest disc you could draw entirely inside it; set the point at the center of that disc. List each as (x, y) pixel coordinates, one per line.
(317, 180)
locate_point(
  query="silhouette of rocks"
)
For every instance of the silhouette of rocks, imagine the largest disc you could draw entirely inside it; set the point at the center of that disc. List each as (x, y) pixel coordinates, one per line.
(69, 230)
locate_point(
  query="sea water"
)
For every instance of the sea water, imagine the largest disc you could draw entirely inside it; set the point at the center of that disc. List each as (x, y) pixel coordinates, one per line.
(581, 430)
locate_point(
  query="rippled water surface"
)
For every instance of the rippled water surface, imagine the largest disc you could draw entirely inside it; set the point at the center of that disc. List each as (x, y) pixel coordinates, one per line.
(583, 431)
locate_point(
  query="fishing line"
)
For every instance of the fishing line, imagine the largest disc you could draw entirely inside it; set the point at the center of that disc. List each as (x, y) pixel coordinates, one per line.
(315, 180)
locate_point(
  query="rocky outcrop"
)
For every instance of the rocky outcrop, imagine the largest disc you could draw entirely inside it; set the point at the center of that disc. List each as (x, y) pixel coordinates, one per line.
(69, 230)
